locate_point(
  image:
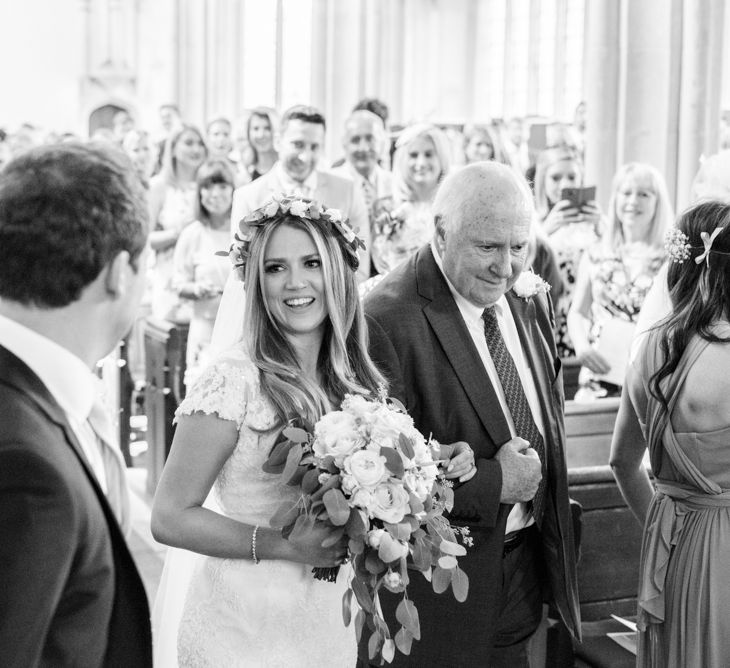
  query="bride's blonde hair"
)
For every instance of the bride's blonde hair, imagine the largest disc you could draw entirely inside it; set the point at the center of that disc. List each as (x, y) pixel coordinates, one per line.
(344, 362)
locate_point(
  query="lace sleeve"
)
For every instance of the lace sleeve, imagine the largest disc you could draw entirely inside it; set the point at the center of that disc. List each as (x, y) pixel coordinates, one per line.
(223, 389)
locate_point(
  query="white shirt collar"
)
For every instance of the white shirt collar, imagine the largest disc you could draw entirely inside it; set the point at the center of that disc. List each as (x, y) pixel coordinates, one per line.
(65, 376)
(468, 310)
(289, 185)
(357, 176)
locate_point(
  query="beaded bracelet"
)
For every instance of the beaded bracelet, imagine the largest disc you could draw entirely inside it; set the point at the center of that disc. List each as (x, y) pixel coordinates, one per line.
(253, 545)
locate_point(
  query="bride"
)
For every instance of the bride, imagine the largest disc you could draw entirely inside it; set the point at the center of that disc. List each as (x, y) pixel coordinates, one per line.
(252, 599)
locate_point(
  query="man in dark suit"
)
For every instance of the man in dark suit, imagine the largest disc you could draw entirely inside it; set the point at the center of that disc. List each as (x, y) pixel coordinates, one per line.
(473, 361)
(300, 147)
(73, 251)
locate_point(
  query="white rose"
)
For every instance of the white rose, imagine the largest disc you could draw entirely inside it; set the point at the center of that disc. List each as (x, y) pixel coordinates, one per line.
(336, 434)
(417, 484)
(392, 579)
(299, 208)
(271, 209)
(388, 425)
(334, 214)
(366, 467)
(359, 406)
(529, 284)
(349, 484)
(362, 498)
(390, 502)
(374, 537)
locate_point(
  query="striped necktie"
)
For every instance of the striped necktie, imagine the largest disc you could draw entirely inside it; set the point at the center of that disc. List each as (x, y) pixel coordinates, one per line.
(517, 402)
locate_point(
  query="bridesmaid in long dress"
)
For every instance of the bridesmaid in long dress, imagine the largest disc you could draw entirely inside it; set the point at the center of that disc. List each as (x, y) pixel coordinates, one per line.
(677, 403)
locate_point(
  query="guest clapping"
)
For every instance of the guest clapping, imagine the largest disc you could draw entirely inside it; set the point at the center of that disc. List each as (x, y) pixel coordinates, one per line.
(616, 273)
(200, 274)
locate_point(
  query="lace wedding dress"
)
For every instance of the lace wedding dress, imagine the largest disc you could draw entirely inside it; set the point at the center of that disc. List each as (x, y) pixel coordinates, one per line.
(237, 613)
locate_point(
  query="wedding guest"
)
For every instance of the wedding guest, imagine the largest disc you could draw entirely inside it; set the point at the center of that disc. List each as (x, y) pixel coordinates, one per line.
(676, 404)
(469, 350)
(200, 274)
(172, 207)
(295, 173)
(375, 106)
(570, 229)
(302, 348)
(170, 121)
(421, 160)
(138, 147)
(122, 123)
(73, 235)
(260, 132)
(363, 143)
(616, 273)
(515, 144)
(482, 143)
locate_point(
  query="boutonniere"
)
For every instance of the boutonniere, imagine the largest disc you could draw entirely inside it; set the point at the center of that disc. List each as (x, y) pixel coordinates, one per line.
(530, 284)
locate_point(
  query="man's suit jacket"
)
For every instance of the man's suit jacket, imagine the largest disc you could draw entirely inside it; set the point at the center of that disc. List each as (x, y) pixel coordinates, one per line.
(420, 341)
(335, 192)
(70, 594)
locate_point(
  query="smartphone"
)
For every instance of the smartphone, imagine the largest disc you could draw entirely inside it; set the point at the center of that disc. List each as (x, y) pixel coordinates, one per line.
(579, 196)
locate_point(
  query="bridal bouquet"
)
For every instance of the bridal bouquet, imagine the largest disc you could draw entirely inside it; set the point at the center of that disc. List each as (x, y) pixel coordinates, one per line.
(367, 471)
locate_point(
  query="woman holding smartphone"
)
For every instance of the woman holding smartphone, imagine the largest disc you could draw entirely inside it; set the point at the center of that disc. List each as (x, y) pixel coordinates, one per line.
(569, 227)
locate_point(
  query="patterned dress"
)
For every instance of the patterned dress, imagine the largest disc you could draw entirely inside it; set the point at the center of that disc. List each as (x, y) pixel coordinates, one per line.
(238, 613)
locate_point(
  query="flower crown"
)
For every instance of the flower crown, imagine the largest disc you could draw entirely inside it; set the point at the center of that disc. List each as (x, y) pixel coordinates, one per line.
(279, 208)
(678, 247)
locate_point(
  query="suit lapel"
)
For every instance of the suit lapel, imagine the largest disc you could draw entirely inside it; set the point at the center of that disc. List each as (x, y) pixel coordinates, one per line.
(19, 375)
(449, 327)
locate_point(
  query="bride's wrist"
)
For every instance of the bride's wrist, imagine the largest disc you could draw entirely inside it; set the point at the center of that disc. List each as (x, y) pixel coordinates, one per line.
(269, 545)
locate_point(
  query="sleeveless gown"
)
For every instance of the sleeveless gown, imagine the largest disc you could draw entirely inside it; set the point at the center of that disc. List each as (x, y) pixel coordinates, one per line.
(238, 613)
(684, 585)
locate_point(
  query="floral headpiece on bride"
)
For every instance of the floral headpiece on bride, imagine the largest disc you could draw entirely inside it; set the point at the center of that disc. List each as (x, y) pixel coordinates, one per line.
(277, 210)
(678, 247)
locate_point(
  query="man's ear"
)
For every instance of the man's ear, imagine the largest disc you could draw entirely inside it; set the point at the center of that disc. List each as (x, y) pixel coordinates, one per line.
(440, 232)
(117, 272)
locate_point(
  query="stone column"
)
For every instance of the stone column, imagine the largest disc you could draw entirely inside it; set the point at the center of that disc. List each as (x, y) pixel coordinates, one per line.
(602, 77)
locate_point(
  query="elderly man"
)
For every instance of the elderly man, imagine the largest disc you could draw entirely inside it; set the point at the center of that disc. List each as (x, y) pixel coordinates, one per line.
(363, 142)
(300, 145)
(469, 350)
(73, 252)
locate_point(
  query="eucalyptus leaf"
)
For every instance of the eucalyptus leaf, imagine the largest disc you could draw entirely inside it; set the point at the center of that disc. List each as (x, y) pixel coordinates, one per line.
(393, 461)
(460, 584)
(355, 526)
(334, 537)
(337, 508)
(296, 435)
(374, 644)
(441, 579)
(403, 641)
(400, 531)
(347, 607)
(454, 549)
(359, 624)
(285, 514)
(302, 528)
(362, 594)
(310, 481)
(406, 446)
(388, 650)
(447, 561)
(292, 464)
(407, 615)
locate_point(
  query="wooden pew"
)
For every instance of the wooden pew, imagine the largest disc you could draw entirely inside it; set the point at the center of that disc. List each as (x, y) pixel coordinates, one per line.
(610, 536)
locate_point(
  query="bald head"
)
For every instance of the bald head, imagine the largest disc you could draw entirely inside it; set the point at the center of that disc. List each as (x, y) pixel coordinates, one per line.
(478, 188)
(363, 140)
(483, 215)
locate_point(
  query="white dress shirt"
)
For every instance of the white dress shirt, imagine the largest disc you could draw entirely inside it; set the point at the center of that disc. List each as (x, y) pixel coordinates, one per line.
(520, 516)
(66, 377)
(305, 188)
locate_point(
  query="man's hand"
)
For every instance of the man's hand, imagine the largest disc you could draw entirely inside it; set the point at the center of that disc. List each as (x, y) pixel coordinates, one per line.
(521, 471)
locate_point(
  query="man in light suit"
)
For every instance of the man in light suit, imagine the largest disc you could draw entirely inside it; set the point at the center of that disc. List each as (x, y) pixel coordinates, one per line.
(472, 361)
(363, 143)
(300, 146)
(73, 252)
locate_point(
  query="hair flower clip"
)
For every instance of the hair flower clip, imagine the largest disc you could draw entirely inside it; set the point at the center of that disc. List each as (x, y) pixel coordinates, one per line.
(707, 240)
(677, 245)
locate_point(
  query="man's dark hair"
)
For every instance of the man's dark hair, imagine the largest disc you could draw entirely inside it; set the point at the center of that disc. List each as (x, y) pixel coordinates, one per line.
(301, 112)
(376, 106)
(66, 211)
